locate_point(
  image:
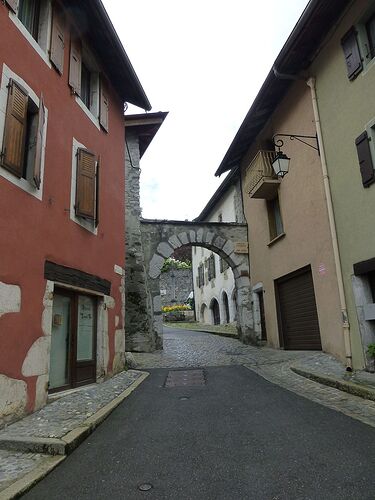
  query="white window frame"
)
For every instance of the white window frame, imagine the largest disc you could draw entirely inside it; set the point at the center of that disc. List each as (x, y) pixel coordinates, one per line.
(45, 26)
(93, 111)
(85, 223)
(22, 183)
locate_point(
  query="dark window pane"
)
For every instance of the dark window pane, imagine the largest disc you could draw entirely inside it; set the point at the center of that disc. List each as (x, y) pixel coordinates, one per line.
(28, 14)
(370, 28)
(85, 86)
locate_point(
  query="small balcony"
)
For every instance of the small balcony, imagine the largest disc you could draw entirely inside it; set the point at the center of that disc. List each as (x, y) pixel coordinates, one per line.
(261, 180)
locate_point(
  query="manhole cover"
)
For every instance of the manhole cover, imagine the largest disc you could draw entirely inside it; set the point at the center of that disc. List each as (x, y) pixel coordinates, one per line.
(145, 487)
(184, 378)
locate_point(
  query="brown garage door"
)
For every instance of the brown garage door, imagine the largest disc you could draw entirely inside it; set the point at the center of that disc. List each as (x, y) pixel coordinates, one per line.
(297, 315)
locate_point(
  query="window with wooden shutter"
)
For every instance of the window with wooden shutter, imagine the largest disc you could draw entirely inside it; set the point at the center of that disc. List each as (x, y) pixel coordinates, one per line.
(365, 159)
(75, 66)
(97, 192)
(37, 169)
(103, 111)
(57, 41)
(352, 54)
(12, 156)
(13, 5)
(86, 184)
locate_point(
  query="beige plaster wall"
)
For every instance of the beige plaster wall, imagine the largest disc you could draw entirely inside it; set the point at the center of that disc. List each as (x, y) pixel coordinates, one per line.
(346, 107)
(307, 237)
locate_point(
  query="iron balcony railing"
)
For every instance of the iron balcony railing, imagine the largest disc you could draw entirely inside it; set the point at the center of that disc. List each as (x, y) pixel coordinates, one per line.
(259, 168)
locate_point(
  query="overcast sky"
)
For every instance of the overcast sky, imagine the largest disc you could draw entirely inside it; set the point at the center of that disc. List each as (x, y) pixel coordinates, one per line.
(204, 62)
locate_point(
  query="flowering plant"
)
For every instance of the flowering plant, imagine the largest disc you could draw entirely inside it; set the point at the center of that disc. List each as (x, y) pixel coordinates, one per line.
(176, 307)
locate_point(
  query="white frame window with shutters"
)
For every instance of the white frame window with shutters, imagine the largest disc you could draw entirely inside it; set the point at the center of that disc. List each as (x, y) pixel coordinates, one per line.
(358, 45)
(22, 152)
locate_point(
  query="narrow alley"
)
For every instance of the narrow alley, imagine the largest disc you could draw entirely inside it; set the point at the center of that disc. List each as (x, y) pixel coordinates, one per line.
(218, 430)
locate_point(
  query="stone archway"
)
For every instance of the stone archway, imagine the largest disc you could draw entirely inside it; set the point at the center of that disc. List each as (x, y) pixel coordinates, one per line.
(159, 240)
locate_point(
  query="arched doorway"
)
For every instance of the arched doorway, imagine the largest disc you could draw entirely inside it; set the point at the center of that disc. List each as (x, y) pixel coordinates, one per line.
(226, 318)
(215, 311)
(159, 240)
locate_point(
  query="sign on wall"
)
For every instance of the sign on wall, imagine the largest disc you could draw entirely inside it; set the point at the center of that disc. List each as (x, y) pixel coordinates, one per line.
(241, 247)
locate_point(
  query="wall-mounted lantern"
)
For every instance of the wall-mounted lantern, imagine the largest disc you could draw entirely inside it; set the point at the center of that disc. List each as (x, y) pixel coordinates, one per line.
(280, 164)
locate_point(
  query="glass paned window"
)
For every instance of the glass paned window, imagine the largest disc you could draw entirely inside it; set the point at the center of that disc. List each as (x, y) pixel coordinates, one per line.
(86, 86)
(28, 14)
(85, 328)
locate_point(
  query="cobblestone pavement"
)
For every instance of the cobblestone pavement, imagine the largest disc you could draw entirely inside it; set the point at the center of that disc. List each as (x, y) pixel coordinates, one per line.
(14, 465)
(194, 349)
(58, 418)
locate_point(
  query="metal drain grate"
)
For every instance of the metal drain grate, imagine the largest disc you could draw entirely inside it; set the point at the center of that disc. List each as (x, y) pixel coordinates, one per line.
(185, 378)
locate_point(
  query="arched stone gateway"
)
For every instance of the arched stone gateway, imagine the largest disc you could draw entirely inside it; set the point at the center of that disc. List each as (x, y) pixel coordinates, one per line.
(159, 240)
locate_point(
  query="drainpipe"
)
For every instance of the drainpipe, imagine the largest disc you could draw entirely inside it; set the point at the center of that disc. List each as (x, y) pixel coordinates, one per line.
(345, 323)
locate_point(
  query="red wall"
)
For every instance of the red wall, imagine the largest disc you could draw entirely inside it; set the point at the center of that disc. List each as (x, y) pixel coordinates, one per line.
(32, 231)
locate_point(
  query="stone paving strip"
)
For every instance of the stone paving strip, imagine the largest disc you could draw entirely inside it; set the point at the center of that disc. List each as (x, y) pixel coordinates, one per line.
(33, 446)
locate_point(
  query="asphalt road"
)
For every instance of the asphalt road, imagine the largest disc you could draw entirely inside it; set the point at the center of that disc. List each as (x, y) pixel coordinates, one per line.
(236, 437)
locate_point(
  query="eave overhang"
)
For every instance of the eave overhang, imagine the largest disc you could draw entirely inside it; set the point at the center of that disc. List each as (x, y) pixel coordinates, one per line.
(97, 29)
(295, 57)
(145, 126)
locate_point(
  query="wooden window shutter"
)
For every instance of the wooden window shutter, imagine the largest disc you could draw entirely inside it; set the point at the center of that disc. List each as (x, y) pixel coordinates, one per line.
(75, 66)
(103, 114)
(353, 58)
(97, 193)
(57, 41)
(13, 5)
(13, 152)
(85, 187)
(37, 174)
(365, 159)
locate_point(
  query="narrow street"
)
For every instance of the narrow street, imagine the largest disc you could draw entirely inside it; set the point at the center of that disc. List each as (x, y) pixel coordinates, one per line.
(224, 432)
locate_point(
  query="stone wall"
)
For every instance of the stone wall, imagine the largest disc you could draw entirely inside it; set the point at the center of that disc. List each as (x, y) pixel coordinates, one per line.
(138, 329)
(175, 286)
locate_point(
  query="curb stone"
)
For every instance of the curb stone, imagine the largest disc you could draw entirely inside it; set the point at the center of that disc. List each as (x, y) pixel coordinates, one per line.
(66, 444)
(342, 385)
(57, 450)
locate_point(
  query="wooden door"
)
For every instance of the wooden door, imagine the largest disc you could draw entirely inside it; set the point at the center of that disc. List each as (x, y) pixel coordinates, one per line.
(262, 316)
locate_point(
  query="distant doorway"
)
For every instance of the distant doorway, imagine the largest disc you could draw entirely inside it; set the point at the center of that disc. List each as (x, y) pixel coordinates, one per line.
(226, 308)
(215, 312)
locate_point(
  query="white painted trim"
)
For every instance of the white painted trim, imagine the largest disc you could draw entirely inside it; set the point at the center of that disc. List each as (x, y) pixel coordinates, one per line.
(118, 270)
(35, 45)
(258, 287)
(87, 112)
(22, 183)
(86, 224)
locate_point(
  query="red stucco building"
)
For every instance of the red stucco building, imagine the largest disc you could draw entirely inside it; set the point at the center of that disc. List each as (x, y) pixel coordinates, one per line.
(64, 80)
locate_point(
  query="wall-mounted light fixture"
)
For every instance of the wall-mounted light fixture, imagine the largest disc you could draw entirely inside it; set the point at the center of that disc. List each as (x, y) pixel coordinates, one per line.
(281, 161)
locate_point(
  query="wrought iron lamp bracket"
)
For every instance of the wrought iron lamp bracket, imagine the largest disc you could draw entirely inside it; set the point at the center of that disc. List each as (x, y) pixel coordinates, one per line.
(279, 143)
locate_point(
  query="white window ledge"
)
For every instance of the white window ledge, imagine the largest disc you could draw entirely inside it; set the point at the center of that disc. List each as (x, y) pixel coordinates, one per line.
(87, 112)
(30, 39)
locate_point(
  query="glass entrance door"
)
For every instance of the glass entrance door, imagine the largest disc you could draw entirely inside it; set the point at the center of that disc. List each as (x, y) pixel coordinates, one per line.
(73, 344)
(85, 363)
(59, 375)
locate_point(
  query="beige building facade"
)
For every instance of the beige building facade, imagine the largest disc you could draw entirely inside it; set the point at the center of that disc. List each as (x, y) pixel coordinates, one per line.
(301, 243)
(295, 269)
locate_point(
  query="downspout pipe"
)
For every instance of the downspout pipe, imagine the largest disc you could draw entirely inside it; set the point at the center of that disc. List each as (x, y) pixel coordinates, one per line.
(311, 82)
